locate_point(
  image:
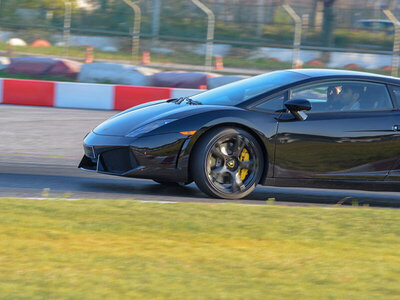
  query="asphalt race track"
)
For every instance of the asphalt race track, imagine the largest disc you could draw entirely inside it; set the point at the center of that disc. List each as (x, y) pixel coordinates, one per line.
(41, 147)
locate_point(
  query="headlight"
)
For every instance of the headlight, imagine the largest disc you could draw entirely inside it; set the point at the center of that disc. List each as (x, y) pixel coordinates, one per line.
(149, 127)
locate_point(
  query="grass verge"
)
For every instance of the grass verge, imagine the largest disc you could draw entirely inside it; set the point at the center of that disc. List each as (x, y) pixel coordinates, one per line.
(91, 249)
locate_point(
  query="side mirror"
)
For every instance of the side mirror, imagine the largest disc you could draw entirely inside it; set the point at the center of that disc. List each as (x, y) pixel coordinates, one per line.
(297, 108)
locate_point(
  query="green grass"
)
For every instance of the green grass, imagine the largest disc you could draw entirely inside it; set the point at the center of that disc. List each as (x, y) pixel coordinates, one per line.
(93, 249)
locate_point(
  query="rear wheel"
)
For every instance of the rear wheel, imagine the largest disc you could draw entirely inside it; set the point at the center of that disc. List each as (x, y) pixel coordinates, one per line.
(227, 163)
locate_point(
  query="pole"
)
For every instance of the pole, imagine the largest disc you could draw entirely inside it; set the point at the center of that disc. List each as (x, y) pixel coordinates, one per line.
(260, 17)
(396, 42)
(297, 34)
(210, 33)
(67, 26)
(136, 29)
(155, 30)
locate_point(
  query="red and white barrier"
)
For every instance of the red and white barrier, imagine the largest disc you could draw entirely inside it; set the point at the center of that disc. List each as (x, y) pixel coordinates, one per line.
(1, 90)
(28, 92)
(83, 95)
(126, 96)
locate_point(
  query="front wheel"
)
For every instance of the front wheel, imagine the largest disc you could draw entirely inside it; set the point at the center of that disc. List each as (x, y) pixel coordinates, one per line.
(227, 163)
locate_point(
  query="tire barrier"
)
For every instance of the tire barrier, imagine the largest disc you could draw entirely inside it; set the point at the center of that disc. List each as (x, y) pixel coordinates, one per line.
(316, 63)
(387, 68)
(41, 43)
(352, 67)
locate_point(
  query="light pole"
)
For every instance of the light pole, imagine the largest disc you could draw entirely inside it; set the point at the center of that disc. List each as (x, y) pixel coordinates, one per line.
(210, 32)
(396, 43)
(67, 26)
(155, 30)
(136, 28)
(297, 34)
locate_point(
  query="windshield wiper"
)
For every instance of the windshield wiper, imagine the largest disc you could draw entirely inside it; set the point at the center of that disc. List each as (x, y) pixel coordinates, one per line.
(184, 99)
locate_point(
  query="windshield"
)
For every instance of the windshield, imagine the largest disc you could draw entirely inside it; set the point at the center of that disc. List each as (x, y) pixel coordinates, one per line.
(240, 91)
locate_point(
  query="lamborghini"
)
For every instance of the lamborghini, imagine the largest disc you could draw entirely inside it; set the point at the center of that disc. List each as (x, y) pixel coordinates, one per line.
(303, 127)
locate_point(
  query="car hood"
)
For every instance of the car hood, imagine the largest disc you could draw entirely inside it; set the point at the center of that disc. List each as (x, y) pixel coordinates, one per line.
(125, 122)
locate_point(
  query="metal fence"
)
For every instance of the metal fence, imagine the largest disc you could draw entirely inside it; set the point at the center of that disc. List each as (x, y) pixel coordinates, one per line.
(179, 25)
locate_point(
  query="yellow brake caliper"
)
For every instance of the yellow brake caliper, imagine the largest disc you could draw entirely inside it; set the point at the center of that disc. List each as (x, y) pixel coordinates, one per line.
(244, 156)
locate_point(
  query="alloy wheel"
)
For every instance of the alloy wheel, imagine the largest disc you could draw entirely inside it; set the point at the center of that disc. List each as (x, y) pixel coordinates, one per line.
(227, 163)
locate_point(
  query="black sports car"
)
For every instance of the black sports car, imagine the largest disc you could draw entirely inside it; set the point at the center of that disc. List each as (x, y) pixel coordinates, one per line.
(306, 127)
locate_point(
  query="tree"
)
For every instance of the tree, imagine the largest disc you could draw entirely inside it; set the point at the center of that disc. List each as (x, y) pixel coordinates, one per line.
(50, 4)
(10, 8)
(313, 12)
(104, 5)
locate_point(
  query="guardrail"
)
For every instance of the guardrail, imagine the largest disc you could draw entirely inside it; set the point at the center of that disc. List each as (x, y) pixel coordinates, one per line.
(83, 95)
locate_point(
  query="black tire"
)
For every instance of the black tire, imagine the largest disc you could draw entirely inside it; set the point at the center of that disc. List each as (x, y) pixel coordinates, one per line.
(217, 163)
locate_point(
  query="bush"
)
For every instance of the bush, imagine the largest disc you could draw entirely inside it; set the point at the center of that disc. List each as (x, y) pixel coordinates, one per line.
(346, 38)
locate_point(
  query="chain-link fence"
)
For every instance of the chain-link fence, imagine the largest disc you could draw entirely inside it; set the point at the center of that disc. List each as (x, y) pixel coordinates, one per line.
(176, 30)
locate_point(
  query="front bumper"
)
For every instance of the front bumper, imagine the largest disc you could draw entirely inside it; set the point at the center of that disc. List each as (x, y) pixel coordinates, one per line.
(153, 157)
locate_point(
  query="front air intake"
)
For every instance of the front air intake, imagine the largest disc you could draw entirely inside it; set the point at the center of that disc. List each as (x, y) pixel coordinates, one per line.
(118, 160)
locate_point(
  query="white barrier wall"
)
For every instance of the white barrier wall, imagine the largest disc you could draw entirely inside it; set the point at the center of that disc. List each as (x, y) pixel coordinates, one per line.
(1, 90)
(177, 93)
(84, 95)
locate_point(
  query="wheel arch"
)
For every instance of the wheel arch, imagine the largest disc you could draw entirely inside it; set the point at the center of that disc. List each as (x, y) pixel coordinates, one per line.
(254, 133)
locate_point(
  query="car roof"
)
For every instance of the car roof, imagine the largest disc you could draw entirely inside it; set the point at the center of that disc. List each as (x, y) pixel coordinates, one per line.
(333, 73)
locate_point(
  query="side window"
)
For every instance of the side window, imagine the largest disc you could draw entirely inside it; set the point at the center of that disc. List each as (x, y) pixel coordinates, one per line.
(396, 93)
(273, 104)
(375, 97)
(321, 96)
(345, 96)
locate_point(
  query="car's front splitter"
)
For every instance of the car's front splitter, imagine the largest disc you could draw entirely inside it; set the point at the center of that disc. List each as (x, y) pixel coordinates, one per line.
(153, 157)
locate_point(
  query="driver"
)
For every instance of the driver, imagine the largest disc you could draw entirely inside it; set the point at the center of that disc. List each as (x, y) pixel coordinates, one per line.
(349, 97)
(333, 99)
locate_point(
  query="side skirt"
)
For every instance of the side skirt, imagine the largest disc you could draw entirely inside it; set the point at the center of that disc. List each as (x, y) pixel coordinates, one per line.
(368, 185)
